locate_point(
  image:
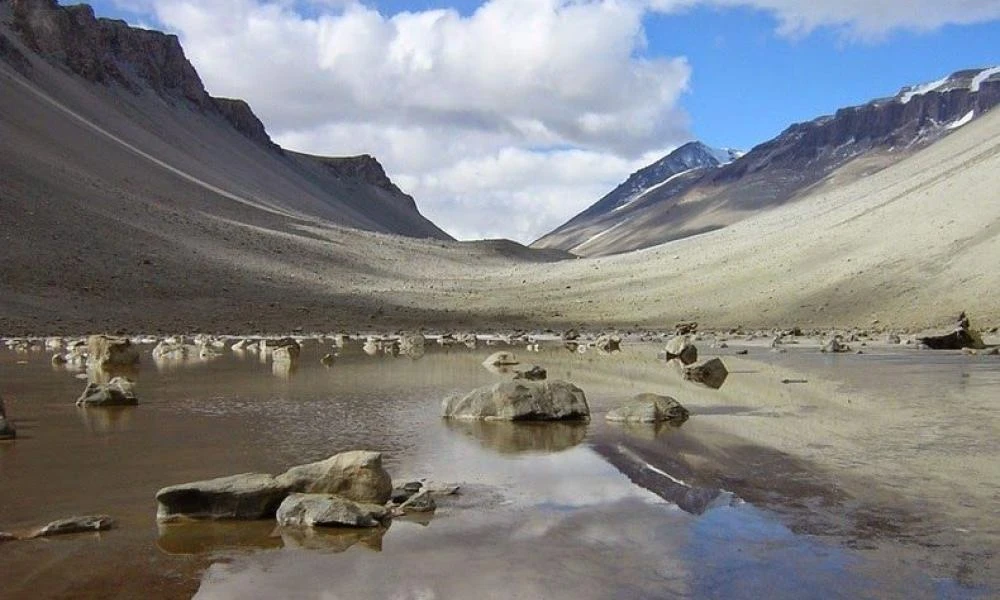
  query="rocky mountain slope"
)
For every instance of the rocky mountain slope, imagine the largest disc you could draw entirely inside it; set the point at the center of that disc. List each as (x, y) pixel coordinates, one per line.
(854, 142)
(142, 78)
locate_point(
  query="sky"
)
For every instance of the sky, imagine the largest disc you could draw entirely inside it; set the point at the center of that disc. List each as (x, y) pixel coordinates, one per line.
(505, 118)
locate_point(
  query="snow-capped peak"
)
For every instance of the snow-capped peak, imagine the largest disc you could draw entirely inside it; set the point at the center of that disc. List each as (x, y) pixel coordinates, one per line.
(969, 80)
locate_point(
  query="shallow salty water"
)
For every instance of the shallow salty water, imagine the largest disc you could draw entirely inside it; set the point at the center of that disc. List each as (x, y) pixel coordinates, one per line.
(545, 511)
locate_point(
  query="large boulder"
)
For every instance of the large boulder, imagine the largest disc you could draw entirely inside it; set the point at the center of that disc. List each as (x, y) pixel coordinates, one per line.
(328, 510)
(680, 348)
(105, 352)
(247, 497)
(649, 408)
(609, 343)
(120, 391)
(74, 525)
(356, 475)
(836, 345)
(293, 349)
(520, 400)
(712, 373)
(285, 354)
(7, 431)
(956, 340)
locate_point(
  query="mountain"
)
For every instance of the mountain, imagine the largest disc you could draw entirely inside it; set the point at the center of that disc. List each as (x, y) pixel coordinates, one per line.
(835, 149)
(139, 88)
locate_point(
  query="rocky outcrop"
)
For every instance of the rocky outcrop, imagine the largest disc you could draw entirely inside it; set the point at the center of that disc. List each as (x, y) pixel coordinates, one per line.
(962, 337)
(649, 408)
(364, 168)
(120, 391)
(327, 510)
(356, 475)
(242, 118)
(520, 400)
(74, 525)
(245, 497)
(712, 373)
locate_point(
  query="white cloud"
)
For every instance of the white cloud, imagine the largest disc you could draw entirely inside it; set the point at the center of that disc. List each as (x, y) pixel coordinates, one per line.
(867, 20)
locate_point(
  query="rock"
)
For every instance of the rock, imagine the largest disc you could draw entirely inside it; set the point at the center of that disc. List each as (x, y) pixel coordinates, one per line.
(291, 351)
(649, 408)
(327, 360)
(7, 537)
(356, 475)
(835, 346)
(7, 431)
(956, 340)
(248, 496)
(535, 373)
(686, 328)
(681, 348)
(120, 391)
(570, 335)
(328, 510)
(420, 502)
(74, 525)
(712, 373)
(104, 352)
(893, 339)
(285, 354)
(58, 360)
(171, 351)
(412, 344)
(520, 400)
(608, 343)
(500, 359)
(743, 352)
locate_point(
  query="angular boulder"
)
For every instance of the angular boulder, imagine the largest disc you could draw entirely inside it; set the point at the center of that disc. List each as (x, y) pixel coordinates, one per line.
(74, 525)
(248, 496)
(120, 391)
(712, 373)
(680, 348)
(609, 343)
(520, 400)
(328, 510)
(649, 408)
(356, 475)
(105, 352)
(293, 347)
(956, 340)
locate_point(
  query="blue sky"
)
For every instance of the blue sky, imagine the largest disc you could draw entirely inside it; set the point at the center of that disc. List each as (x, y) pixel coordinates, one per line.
(504, 118)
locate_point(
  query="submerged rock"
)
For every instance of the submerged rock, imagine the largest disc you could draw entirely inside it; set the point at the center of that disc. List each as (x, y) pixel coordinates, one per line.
(520, 400)
(7, 431)
(712, 373)
(649, 408)
(120, 391)
(328, 510)
(74, 525)
(357, 475)
(247, 496)
(680, 348)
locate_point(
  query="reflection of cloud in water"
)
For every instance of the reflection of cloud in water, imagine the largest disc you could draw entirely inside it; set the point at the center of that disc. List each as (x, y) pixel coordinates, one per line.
(518, 438)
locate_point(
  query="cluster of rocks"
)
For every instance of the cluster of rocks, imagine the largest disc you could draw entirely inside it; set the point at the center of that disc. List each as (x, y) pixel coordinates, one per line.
(350, 489)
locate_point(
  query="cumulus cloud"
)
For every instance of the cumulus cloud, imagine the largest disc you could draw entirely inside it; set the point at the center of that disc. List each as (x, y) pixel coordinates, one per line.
(502, 122)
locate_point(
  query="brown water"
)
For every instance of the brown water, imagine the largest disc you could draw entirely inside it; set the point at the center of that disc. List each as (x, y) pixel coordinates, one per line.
(546, 511)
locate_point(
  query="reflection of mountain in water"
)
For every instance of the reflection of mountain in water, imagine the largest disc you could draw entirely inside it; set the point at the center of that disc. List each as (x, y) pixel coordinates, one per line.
(689, 498)
(519, 438)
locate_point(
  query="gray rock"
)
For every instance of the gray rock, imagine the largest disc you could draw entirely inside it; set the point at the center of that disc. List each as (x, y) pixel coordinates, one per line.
(327, 360)
(535, 373)
(328, 510)
(120, 391)
(608, 343)
(105, 352)
(74, 525)
(412, 345)
(7, 431)
(171, 351)
(520, 400)
(712, 373)
(649, 408)
(285, 354)
(356, 475)
(835, 346)
(500, 359)
(248, 496)
(892, 338)
(681, 348)
(420, 502)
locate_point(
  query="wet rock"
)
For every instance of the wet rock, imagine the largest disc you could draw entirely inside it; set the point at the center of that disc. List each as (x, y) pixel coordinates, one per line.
(743, 352)
(535, 373)
(686, 328)
(500, 359)
(956, 340)
(285, 354)
(120, 391)
(520, 400)
(105, 352)
(356, 475)
(609, 343)
(171, 351)
(327, 360)
(7, 431)
(712, 373)
(419, 502)
(991, 352)
(680, 348)
(291, 348)
(58, 360)
(74, 525)
(570, 335)
(835, 346)
(649, 408)
(7, 537)
(248, 496)
(412, 344)
(328, 510)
